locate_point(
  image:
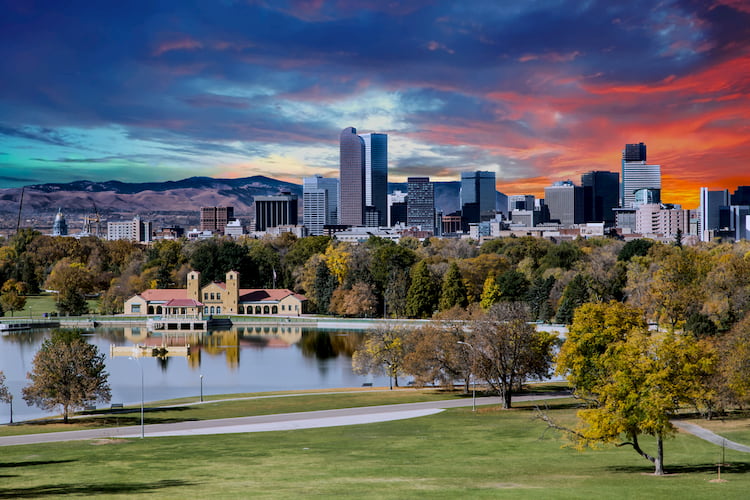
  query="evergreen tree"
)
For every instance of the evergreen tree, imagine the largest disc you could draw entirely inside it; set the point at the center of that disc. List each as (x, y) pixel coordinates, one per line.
(423, 294)
(575, 295)
(323, 288)
(538, 298)
(514, 287)
(453, 290)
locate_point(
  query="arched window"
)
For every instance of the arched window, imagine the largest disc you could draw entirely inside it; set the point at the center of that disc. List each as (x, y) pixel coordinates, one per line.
(150, 309)
(159, 310)
(265, 310)
(275, 310)
(218, 309)
(257, 309)
(212, 309)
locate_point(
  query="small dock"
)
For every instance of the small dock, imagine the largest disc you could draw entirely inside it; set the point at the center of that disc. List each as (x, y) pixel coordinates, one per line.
(147, 351)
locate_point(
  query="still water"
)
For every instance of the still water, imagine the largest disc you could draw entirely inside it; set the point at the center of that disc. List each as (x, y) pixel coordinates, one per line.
(243, 359)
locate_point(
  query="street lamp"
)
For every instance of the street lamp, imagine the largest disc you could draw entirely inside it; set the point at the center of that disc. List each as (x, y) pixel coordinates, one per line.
(143, 430)
(472, 377)
(201, 387)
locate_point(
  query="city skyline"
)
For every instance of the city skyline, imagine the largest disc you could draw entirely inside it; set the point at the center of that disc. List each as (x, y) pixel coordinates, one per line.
(535, 93)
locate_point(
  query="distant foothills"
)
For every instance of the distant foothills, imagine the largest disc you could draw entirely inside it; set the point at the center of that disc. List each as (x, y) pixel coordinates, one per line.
(186, 195)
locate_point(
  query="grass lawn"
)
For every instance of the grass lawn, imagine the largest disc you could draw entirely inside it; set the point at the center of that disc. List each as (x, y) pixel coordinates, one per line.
(457, 453)
(37, 305)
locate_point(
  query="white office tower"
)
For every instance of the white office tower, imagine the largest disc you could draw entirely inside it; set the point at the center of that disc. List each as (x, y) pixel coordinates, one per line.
(320, 203)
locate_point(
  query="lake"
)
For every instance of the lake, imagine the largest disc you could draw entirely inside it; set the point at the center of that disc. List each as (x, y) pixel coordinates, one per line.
(256, 358)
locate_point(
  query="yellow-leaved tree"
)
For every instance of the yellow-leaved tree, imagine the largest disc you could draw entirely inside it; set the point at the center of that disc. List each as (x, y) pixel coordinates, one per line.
(632, 379)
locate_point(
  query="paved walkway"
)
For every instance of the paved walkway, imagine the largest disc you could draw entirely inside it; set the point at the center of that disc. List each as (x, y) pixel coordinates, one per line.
(277, 422)
(711, 437)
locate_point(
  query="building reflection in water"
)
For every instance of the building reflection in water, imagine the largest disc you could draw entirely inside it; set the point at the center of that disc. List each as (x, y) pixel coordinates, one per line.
(312, 342)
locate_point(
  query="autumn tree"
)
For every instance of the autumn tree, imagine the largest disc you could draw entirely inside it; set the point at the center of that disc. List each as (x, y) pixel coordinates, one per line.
(358, 301)
(734, 356)
(508, 349)
(491, 292)
(12, 296)
(453, 291)
(72, 281)
(5, 395)
(435, 355)
(632, 380)
(68, 373)
(383, 351)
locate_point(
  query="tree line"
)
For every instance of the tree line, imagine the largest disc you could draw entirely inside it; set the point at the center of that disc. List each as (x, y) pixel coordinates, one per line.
(706, 288)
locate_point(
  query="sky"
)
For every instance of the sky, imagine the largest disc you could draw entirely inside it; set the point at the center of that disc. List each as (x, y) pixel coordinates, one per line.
(536, 91)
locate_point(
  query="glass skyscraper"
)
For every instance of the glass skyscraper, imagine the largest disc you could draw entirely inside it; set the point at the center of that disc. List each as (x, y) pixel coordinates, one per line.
(363, 175)
(420, 203)
(478, 195)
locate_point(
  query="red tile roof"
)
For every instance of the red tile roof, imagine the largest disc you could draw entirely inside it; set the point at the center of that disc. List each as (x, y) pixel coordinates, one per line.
(267, 294)
(164, 294)
(183, 303)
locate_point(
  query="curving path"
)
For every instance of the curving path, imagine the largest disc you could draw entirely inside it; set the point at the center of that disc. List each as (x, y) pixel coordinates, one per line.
(711, 437)
(277, 422)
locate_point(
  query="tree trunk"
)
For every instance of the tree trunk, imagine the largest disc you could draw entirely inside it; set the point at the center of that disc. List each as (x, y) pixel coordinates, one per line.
(507, 395)
(65, 414)
(659, 462)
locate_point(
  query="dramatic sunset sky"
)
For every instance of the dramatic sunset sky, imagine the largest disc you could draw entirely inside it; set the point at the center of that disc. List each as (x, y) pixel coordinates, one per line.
(536, 91)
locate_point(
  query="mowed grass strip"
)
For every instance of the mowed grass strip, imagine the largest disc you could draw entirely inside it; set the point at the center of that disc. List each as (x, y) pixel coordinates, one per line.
(490, 453)
(166, 412)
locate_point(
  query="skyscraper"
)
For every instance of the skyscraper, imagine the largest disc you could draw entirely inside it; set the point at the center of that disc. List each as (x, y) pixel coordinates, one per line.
(420, 203)
(274, 211)
(352, 178)
(636, 174)
(710, 210)
(363, 174)
(600, 195)
(478, 196)
(320, 202)
(376, 174)
(565, 203)
(215, 219)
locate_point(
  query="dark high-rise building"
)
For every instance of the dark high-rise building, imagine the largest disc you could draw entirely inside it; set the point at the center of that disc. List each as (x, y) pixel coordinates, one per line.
(634, 152)
(351, 178)
(274, 211)
(601, 193)
(478, 196)
(215, 219)
(376, 174)
(421, 203)
(741, 196)
(565, 203)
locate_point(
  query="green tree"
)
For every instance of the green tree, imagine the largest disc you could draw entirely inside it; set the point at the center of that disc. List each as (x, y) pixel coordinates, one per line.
(633, 380)
(383, 351)
(514, 287)
(508, 349)
(68, 372)
(11, 296)
(538, 299)
(323, 287)
(633, 248)
(575, 294)
(453, 289)
(422, 297)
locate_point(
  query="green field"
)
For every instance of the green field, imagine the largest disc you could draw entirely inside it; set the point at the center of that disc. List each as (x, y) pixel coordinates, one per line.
(458, 453)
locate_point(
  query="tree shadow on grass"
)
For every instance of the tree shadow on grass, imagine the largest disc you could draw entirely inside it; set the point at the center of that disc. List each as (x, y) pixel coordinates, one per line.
(36, 462)
(91, 489)
(729, 468)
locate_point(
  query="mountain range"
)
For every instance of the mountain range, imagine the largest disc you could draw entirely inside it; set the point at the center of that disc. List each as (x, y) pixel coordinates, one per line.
(169, 197)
